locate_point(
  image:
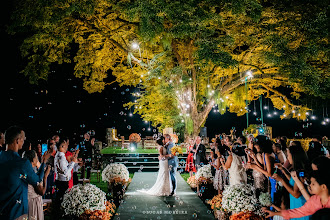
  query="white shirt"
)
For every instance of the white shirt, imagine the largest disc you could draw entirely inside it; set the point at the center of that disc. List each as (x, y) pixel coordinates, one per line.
(62, 167)
(196, 151)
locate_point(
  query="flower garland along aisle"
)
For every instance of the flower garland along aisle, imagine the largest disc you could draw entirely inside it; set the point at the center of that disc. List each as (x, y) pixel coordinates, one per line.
(117, 176)
(87, 202)
(239, 201)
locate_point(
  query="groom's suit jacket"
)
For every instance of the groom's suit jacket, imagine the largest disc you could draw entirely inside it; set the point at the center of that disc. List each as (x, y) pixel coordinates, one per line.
(200, 155)
(172, 161)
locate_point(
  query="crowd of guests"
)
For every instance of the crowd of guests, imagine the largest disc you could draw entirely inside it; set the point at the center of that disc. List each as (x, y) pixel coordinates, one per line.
(298, 181)
(28, 176)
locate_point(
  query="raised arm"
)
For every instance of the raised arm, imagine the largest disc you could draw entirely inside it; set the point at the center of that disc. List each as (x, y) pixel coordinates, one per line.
(41, 188)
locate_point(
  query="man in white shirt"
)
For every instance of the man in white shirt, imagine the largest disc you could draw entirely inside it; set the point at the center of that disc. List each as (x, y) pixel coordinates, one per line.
(63, 170)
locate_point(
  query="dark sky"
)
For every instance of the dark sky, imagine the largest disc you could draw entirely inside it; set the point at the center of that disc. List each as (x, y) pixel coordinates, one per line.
(69, 110)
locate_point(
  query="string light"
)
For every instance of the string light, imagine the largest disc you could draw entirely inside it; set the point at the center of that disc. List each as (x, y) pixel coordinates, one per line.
(313, 117)
(135, 46)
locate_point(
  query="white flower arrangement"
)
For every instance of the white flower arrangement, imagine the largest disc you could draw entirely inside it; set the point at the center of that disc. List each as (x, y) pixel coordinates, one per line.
(265, 199)
(83, 197)
(204, 171)
(115, 171)
(238, 198)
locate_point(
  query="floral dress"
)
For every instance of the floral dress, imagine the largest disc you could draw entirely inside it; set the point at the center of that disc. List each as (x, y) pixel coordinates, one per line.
(220, 178)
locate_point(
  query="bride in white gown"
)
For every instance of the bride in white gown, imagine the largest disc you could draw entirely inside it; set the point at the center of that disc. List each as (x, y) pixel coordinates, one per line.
(162, 186)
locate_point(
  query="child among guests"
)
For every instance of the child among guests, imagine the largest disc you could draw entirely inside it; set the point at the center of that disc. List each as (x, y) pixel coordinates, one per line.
(320, 185)
(284, 203)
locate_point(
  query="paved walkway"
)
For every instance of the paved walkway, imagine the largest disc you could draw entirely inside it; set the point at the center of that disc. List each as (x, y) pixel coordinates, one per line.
(185, 205)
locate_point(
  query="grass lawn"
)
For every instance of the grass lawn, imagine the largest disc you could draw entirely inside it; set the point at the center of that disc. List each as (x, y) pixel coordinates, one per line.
(139, 150)
(185, 176)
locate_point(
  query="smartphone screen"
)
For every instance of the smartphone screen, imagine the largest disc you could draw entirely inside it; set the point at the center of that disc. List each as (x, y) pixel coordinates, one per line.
(301, 174)
(43, 148)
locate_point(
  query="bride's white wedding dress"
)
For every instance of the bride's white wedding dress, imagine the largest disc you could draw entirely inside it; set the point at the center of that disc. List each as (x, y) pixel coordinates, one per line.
(162, 186)
(237, 174)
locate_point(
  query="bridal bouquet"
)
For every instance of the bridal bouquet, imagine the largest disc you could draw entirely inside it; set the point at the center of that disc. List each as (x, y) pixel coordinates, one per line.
(117, 173)
(82, 198)
(176, 150)
(204, 174)
(265, 199)
(238, 198)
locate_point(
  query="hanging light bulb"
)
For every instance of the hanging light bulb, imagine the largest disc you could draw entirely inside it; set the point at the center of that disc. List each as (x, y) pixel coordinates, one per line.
(275, 113)
(313, 117)
(265, 107)
(135, 45)
(323, 123)
(269, 115)
(327, 119)
(208, 86)
(254, 113)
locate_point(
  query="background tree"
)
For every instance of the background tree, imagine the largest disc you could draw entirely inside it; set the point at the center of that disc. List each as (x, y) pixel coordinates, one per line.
(186, 57)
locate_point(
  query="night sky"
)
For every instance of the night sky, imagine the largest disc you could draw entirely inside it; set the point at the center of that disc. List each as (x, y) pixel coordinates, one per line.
(60, 105)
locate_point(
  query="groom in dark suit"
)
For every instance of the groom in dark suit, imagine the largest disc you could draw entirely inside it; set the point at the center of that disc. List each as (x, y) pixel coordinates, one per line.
(200, 153)
(173, 161)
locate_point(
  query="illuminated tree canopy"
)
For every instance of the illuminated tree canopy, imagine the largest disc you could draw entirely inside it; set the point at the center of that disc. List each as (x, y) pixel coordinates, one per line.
(184, 56)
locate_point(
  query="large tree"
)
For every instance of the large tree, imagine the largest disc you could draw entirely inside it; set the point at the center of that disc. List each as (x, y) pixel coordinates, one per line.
(186, 57)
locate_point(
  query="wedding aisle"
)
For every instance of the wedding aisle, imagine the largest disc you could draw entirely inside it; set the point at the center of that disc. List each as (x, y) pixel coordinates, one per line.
(136, 205)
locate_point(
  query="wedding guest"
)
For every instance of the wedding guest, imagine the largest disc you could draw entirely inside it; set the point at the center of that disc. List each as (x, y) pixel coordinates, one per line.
(26, 147)
(2, 142)
(190, 166)
(321, 163)
(50, 191)
(241, 140)
(87, 156)
(56, 139)
(299, 161)
(250, 139)
(212, 158)
(35, 193)
(259, 179)
(265, 145)
(16, 173)
(315, 150)
(200, 153)
(220, 177)
(63, 169)
(235, 166)
(284, 203)
(38, 150)
(277, 149)
(319, 187)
